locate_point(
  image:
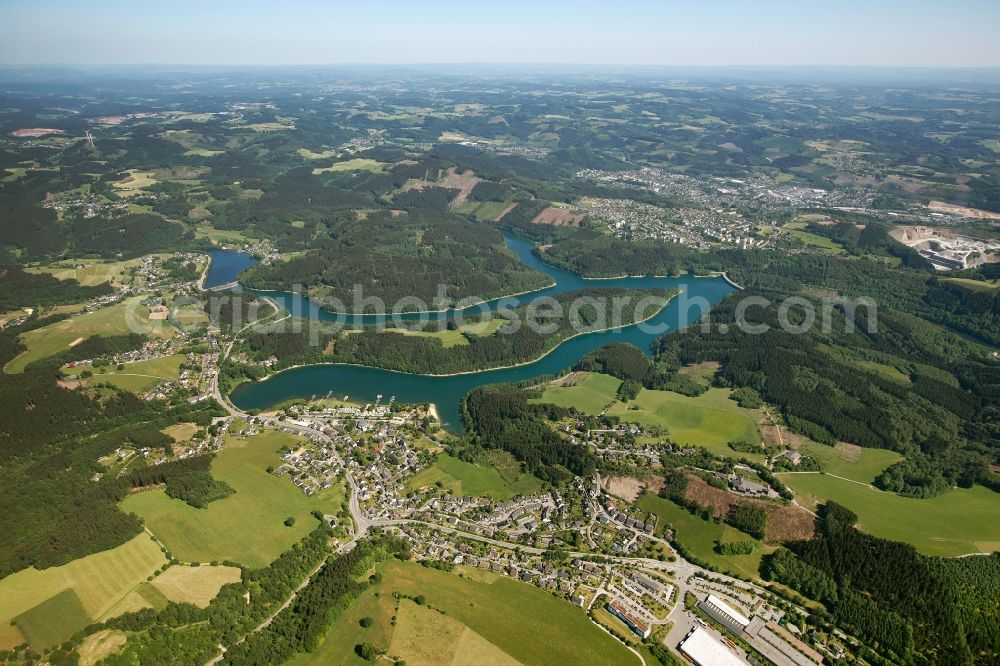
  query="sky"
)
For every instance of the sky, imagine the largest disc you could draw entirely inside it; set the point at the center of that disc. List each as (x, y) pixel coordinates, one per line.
(884, 33)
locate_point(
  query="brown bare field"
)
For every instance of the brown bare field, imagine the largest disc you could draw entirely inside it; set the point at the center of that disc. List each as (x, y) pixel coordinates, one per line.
(10, 636)
(784, 523)
(35, 132)
(195, 585)
(630, 488)
(452, 180)
(558, 217)
(99, 645)
(952, 209)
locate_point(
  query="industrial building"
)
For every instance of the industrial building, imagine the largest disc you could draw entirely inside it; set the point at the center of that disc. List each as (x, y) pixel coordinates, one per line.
(704, 650)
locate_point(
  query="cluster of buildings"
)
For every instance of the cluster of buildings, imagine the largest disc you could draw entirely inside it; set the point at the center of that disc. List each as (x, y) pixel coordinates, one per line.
(777, 643)
(311, 469)
(509, 148)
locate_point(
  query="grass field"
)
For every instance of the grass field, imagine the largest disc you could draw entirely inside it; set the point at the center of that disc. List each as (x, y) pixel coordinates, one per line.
(114, 320)
(503, 620)
(138, 376)
(457, 337)
(710, 420)
(428, 638)
(219, 235)
(467, 479)
(699, 536)
(591, 393)
(813, 240)
(357, 164)
(98, 582)
(312, 155)
(958, 522)
(977, 285)
(134, 183)
(850, 461)
(90, 272)
(181, 432)
(194, 585)
(247, 526)
(53, 621)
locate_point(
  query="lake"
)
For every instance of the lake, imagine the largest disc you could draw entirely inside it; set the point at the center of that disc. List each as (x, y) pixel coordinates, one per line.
(364, 384)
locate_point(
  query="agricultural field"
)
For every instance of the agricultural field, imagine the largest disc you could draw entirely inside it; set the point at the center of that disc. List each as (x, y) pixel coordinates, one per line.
(134, 183)
(88, 272)
(194, 585)
(710, 420)
(850, 461)
(487, 619)
(959, 522)
(700, 536)
(357, 164)
(313, 155)
(247, 526)
(83, 591)
(468, 479)
(589, 392)
(137, 376)
(797, 229)
(118, 319)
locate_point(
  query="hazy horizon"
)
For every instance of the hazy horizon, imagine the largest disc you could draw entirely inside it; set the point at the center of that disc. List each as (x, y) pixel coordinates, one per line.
(886, 34)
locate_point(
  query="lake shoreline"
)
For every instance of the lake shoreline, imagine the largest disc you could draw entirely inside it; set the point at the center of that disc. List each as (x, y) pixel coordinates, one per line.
(462, 372)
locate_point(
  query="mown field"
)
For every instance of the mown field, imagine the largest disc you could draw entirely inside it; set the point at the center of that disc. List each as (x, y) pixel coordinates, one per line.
(114, 320)
(818, 242)
(591, 393)
(700, 536)
(357, 164)
(958, 522)
(710, 420)
(457, 336)
(194, 585)
(80, 592)
(488, 619)
(88, 272)
(850, 461)
(468, 479)
(247, 526)
(138, 376)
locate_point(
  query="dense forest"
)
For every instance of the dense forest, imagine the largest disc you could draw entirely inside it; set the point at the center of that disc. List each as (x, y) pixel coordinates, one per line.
(500, 417)
(435, 257)
(515, 342)
(49, 449)
(901, 603)
(924, 393)
(21, 289)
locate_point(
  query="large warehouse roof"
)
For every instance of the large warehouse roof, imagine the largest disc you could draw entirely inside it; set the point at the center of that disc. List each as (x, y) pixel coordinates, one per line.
(706, 651)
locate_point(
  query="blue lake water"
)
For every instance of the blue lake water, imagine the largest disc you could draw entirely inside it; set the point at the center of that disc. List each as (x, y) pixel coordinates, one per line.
(364, 384)
(225, 266)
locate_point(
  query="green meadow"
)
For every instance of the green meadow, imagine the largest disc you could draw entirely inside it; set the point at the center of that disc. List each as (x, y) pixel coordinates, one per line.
(591, 393)
(959, 522)
(710, 420)
(484, 619)
(78, 593)
(469, 479)
(699, 536)
(247, 526)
